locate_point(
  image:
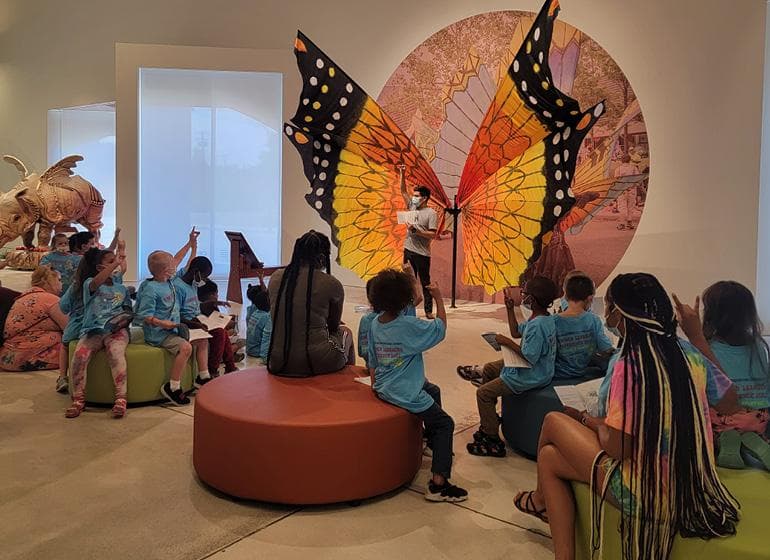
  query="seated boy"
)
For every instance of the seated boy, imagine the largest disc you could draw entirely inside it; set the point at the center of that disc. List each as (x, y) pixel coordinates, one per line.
(516, 323)
(366, 320)
(158, 305)
(579, 333)
(396, 343)
(220, 347)
(538, 347)
(259, 325)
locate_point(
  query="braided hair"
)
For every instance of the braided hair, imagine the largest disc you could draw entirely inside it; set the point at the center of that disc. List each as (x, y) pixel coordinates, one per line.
(683, 494)
(311, 251)
(86, 269)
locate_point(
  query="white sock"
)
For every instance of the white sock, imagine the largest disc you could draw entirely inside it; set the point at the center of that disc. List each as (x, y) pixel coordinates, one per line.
(204, 374)
(175, 385)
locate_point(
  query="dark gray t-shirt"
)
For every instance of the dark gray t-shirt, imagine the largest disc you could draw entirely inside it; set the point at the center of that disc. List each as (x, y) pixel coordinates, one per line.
(426, 220)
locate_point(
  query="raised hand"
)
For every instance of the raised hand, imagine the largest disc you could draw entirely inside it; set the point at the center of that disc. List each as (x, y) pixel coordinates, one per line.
(689, 317)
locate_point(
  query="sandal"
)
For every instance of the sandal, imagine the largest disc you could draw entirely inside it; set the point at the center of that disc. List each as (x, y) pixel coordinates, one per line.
(529, 506)
(119, 408)
(486, 446)
(469, 373)
(75, 409)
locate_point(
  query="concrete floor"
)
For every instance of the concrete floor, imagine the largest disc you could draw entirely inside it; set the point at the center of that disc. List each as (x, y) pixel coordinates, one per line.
(94, 488)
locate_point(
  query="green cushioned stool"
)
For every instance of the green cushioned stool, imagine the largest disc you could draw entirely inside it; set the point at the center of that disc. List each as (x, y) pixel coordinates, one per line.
(750, 487)
(147, 370)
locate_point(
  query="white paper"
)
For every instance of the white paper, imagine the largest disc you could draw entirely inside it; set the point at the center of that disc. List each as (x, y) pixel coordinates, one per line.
(235, 308)
(582, 397)
(408, 217)
(364, 380)
(514, 359)
(198, 334)
(217, 320)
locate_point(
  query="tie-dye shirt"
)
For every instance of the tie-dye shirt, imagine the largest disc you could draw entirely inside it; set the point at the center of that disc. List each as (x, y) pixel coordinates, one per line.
(620, 414)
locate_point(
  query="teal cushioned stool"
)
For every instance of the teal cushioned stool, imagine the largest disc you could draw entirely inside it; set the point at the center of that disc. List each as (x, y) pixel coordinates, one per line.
(523, 415)
(147, 371)
(750, 487)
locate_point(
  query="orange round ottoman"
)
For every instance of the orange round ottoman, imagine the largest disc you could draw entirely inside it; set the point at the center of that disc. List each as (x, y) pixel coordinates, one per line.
(315, 440)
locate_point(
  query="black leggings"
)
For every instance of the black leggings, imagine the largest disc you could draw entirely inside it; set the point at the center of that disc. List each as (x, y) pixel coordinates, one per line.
(421, 266)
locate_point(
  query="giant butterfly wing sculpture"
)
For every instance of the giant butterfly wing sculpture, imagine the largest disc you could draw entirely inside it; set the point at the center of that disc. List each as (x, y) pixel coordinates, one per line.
(514, 186)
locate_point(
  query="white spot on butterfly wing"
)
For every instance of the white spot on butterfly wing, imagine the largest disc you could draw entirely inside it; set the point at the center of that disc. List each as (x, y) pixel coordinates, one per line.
(289, 131)
(319, 204)
(537, 33)
(515, 65)
(349, 88)
(313, 81)
(557, 174)
(343, 101)
(319, 63)
(599, 110)
(560, 194)
(557, 211)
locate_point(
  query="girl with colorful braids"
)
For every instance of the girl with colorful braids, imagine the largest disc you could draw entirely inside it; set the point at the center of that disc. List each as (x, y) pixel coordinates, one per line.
(652, 457)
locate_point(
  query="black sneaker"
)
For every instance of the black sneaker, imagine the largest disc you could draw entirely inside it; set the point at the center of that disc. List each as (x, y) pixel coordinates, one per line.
(62, 384)
(177, 398)
(446, 493)
(200, 382)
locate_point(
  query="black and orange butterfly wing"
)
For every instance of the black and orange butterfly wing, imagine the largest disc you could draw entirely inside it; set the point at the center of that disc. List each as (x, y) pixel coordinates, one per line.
(515, 185)
(351, 151)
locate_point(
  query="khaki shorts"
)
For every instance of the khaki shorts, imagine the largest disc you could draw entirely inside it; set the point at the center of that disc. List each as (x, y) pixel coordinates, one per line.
(172, 343)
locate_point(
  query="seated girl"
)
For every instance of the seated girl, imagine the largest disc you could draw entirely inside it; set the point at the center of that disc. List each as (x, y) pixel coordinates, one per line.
(33, 329)
(104, 301)
(306, 306)
(538, 346)
(661, 490)
(259, 325)
(733, 330)
(220, 348)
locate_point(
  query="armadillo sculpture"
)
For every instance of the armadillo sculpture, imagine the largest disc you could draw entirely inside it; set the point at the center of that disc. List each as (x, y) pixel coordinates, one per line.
(58, 197)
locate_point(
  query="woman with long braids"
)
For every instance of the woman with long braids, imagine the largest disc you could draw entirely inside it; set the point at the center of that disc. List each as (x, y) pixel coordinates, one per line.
(308, 337)
(652, 457)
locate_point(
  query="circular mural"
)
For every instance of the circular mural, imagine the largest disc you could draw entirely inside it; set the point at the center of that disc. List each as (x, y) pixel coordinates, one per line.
(441, 90)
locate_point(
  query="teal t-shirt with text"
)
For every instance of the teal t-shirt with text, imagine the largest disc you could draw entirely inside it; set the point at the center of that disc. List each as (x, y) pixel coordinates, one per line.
(747, 367)
(538, 346)
(159, 300)
(577, 340)
(395, 353)
(103, 304)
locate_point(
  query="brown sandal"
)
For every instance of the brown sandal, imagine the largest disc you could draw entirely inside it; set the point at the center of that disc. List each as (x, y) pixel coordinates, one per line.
(528, 506)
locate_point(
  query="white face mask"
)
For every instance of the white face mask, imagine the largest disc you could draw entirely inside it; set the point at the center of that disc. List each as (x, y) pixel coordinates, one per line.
(198, 283)
(416, 200)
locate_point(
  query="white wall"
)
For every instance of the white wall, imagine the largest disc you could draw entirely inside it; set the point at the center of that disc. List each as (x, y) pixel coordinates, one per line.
(696, 66)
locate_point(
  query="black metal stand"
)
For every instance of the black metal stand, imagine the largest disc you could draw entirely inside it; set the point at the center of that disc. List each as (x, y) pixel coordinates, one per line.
(454, 212)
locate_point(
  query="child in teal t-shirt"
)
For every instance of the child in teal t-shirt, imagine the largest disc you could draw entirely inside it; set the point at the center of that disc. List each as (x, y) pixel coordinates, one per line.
(538, 347)
(366, 321)
(62, 260)
(579, 333)
(733, 330)
(259, 324)
(158, 306)
(102, 300)
(395, 346)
